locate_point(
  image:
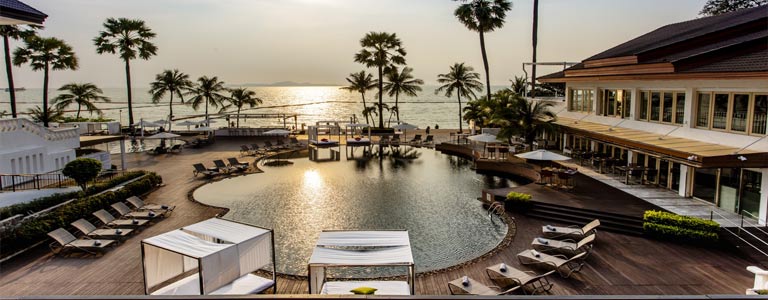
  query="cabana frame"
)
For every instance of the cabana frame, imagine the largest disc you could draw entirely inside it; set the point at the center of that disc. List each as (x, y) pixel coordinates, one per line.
(362, 246)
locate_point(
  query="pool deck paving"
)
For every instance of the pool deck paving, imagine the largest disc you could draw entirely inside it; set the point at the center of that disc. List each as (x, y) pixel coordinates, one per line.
(620, 264)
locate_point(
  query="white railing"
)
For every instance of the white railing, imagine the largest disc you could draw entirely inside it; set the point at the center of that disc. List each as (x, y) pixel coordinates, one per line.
(11, 125)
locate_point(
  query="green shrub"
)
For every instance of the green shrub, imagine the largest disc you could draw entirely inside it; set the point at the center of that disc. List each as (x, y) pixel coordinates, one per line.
(82, 170)
(49, 201)
(517, 201)
(665, 218)
(679, 234)
(34, 231)
(519, 197)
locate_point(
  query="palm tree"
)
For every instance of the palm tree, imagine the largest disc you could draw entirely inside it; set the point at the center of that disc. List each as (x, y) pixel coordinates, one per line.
(82, 94)
(519, 116)
(383, 51)
(519, 85)
(172, 82)
(361, 82)
(207, 90)
(478, 110)
(13, 32)
(45, 54)
(52, 114)
(401, 83)
(130, 39)
(535, 40)
(463, 81)
(242, 96)
(483, 16)
(370, 112)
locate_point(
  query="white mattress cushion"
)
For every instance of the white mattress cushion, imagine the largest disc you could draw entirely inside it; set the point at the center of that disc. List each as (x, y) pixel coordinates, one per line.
(190, 285)
(382, 287)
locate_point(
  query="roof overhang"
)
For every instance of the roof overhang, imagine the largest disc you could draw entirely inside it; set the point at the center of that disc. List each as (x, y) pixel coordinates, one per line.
(685, 151)
(93, 140)
(15, 12)
(664, 76)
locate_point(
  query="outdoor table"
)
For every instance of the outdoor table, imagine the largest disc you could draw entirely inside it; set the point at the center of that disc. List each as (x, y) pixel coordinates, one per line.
(473, 288)
(630, 170)
(462, 136)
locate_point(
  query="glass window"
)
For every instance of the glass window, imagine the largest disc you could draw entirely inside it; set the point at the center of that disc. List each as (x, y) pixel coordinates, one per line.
(626, 102)
(679, 108)
(668, 100)
(702, 110)
(729, 189)
(705, 184)
(589, 99)
(739, 112)
(610, 105)
(760, 109)
(750, 192)
(581, 100)
(720, 114)
(655, 105)
(643, 109)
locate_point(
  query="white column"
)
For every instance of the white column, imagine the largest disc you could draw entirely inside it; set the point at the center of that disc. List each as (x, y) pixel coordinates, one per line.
(763, 211)
(630, 156)
(690, 97)
(683, 184)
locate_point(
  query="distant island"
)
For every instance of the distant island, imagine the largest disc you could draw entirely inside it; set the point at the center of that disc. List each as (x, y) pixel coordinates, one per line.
(287, 83)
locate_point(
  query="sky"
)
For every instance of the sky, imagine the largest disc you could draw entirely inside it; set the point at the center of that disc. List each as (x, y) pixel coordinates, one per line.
(266, 41)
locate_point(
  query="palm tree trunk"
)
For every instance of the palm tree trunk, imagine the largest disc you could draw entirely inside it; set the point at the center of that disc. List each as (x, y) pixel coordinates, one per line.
(207, 121)
(130, 102)
(485, 64)
(9, 72)
(397, 112)
(458, 96)
(170, 113)
(238, 117)
(381, 98)
(45, 95)
(535, 40)
(77, 116)
(364, 107)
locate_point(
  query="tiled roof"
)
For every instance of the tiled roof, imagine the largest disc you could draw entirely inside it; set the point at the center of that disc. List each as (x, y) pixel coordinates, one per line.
(18, 10)
(753, 62)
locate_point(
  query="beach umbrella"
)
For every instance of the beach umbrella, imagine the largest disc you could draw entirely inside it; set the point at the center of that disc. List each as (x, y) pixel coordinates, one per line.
(278, 132)
(204, 128)
(542, 155)
(160, 122)
(187, 123)
(485, 138)
(143, 124)
(163, 135)
(405, 126)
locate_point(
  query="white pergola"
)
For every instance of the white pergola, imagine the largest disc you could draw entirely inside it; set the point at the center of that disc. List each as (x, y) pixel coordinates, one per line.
(220, 254)
(361, 249)
(314, 133)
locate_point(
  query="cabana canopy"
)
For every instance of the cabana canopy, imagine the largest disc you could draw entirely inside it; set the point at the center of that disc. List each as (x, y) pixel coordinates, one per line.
(331, 128)
(361, 249)
(223, 252)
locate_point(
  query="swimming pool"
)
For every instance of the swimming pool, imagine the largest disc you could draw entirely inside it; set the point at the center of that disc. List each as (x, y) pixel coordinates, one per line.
(432, 195)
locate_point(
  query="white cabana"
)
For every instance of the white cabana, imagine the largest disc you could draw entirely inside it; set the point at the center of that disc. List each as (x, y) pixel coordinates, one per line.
(329, 128)
(336, 249)
(220, 254)
(356, 135)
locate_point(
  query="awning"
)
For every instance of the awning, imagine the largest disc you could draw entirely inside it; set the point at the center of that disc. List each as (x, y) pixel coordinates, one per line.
(226, 230)
(682, 150)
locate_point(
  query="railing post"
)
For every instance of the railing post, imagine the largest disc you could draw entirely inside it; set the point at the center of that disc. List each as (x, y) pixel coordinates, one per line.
(13, 183)
(58, 177)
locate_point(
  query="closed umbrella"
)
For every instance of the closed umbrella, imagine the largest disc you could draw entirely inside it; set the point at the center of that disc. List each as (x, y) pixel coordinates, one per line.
(485, 138)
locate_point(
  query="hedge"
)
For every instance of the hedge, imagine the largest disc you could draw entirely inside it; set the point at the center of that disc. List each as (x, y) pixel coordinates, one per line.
(519, 197)
(36, 230)
(679, 234)
(49, 201)
(665, 218)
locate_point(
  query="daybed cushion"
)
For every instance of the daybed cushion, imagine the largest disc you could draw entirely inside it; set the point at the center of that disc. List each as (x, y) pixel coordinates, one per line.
(382, 287)
(361, 141)
(329, 142)
(248, 284)
(364, 290)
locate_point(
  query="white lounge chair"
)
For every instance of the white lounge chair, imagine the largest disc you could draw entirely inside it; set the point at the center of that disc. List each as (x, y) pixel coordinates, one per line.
(110, 221)
(529, 281)
(125, 212)
(560, 263)
(573, 232)
(67, 241)
(139, 204)
(469, 286)
(91, 231)
(566, 247)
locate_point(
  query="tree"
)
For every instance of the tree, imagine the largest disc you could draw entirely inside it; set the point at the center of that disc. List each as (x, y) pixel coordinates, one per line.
(535, 42)
(52, 114)
(717, 7)
(361, 82)
(45, 54)
(129, 39)
(383, 51)
(483, 16)
(461, 80)
(82, 170)
(82, 94)
(519, 85)
(240, 97)
(207, 90)
(173, 83)
(519, 116)
(401, 82)
(13, 32)
(478, 110)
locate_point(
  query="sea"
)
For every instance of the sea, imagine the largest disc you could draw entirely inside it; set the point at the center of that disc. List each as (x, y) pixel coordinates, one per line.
(310, 103)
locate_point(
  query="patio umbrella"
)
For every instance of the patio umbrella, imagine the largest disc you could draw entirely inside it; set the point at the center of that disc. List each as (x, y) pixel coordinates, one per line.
(204, 128)
(542, 155)
(485, 138)
(278, 132)
(160, 122)
(187, 123)
(143, 124)
(405, 126)
(163, 135)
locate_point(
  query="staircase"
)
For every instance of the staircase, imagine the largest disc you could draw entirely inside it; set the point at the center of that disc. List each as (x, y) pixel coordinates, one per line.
(752, 242)
(578, 216)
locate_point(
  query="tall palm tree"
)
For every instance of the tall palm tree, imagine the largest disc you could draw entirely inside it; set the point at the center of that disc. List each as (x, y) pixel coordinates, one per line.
(45, 54)
(361, 82)
(401, 82)
(535, 40)
(519, 116)
(129, 39)
(82, 94)
(208, 91)
(13, 32)
(463, 81)
(483, 16)
(173, 83)
(383, 51)
(240, 97)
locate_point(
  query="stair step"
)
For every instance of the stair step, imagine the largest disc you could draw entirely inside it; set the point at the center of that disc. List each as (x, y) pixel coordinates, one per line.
(606, 227)
(584, 218)
(586, 210)
(579, 216)
(579, 212)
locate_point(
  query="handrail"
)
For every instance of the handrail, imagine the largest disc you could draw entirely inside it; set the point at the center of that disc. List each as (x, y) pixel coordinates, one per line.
(756, 218)
(738, 235)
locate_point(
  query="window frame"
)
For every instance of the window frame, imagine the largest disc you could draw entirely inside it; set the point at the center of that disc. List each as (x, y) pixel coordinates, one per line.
(625, 99)
(749, 130)
(648, 109)
(586, 103)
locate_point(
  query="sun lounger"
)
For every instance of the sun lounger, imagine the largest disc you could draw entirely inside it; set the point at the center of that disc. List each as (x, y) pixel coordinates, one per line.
(510, 277)
(416, 139)
(110, 221)
(469, 286)
(223, 167)
(429, 140)
(566, 247)
(295, 143)
(233, 162)
(244, 150)
(67, 241)
(175, 148)
(91, 231)
(258, 150)
(124, 211)
(572, 232)
(139, 204)
(282, 145)
(560, 263)
(201, 169)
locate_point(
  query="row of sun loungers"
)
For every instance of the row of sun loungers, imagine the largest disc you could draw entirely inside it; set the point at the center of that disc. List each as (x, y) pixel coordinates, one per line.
(267, 146)
(416, 141)
(220, 167)
(113, 230)
(561, 249)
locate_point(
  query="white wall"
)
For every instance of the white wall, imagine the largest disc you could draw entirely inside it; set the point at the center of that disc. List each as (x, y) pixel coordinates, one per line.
(26, 147)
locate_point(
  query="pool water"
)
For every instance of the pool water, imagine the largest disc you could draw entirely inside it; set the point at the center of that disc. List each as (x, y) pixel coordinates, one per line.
(432, 195)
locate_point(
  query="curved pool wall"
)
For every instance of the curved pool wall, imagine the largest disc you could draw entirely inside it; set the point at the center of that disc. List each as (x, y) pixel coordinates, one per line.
(432, 195)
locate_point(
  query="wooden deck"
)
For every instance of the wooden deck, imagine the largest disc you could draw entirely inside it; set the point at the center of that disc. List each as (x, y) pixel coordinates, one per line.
(619, 264)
